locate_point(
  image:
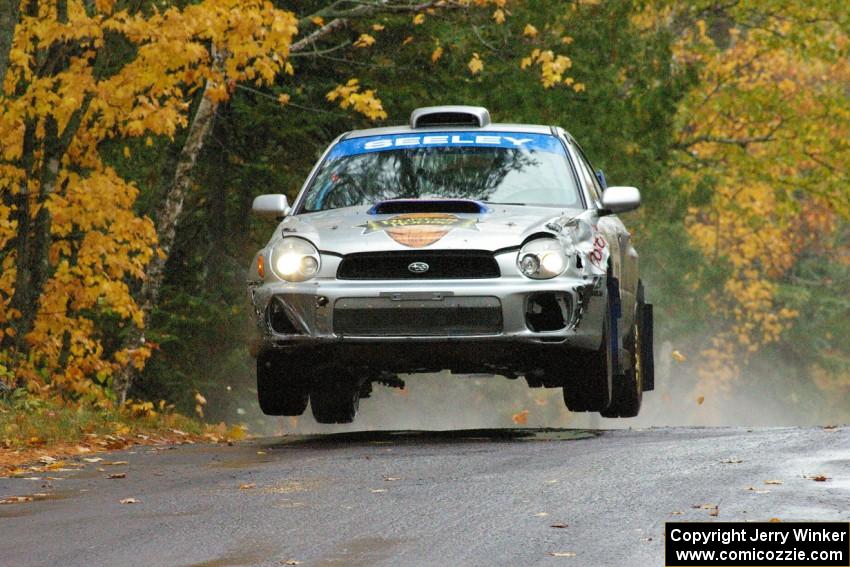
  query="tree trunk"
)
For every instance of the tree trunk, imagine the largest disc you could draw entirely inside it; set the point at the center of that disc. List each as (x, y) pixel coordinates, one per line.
(8, 21)
(166, 229)
(33, 235)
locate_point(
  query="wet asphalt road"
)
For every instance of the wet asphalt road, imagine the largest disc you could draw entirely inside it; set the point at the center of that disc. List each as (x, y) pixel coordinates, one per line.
(486, 497)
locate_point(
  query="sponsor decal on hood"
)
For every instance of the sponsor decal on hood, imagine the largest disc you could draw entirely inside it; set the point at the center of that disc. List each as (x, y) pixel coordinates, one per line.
(418, 230)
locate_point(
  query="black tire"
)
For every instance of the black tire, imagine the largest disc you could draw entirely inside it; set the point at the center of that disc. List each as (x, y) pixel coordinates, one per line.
(282, 385)
(648, 348)
(629, 386)
(335, 396)
(588, 387)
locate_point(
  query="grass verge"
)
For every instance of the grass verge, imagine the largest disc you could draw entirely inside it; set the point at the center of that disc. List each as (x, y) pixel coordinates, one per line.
(45, 431)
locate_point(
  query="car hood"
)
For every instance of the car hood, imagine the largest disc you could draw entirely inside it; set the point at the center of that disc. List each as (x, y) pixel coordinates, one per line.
(354, 229)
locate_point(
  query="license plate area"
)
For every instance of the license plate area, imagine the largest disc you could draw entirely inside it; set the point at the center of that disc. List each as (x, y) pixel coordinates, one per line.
(406, 315)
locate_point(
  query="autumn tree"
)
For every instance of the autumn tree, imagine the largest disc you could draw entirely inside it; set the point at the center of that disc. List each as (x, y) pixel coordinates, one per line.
(71, 242)
(762, 146)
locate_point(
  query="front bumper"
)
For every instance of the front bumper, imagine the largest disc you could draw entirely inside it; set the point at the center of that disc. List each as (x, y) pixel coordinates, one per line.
(310, 309)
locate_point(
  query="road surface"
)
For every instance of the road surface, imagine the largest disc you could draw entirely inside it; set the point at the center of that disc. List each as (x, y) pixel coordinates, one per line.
(485, 497)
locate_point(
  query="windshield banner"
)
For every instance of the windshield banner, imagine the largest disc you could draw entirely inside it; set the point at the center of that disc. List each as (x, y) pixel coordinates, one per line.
(508, 140)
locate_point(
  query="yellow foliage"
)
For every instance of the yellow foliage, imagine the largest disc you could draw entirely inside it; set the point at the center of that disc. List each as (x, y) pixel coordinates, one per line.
(529, 31)
(552, 68)
(766, 127)
(365, 40)
(365, 102)
(476, 65)
(436, 54)
(100, 247)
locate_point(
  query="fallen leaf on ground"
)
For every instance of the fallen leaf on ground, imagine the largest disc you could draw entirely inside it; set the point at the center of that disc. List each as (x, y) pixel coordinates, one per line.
(392, 478)
(16, 499)
(558, 525)
(818, 478)
(261, 452)
(678, 356)
(646, 539)
(521, 417)
(117, 475)
(773, 482)
(247, 486)
(376, 490)
(732, 461)
(541, 514)
(758, 490)
(81, 449)
(46, 460)
(290, 562)
(562, 554)
(700, 400)
(92, 459)
(830, 428)
(774, 520)
(115, 463)
(130, 501)
(676, 513)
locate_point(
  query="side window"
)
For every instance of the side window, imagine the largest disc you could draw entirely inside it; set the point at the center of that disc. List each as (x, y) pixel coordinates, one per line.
(588, 175)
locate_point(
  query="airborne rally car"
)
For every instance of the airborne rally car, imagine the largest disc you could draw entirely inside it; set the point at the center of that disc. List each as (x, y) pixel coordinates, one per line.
(452, 244)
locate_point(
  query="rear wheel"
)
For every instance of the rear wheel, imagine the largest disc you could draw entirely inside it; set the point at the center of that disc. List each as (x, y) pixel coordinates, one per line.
(335, 395)
(282, 384)
(587, 388)
(629, 387)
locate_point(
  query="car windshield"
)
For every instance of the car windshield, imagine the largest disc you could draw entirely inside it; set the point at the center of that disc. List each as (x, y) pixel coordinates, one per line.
(497, 168)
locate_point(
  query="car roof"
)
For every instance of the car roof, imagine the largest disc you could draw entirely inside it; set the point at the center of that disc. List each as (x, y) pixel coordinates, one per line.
(405, 129)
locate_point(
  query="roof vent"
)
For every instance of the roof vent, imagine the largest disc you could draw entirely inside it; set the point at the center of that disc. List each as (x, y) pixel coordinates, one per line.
(474, 116)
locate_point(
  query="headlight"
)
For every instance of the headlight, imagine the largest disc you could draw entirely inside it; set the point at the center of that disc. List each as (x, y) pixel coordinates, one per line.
(295, 260)
(542, 259)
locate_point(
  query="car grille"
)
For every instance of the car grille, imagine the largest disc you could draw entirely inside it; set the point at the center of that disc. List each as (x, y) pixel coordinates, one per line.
(450, 316)
(442, 264)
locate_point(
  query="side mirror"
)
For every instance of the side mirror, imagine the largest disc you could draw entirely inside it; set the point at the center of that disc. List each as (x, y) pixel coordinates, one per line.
(271, 206)
(620, 199)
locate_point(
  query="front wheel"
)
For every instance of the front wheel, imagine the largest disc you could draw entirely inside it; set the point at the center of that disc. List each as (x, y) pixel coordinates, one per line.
(629, 387)
(587, 389)
(282, 385)
(335, 396)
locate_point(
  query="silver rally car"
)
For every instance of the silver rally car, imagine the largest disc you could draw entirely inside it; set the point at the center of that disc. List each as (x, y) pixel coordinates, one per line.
(451, 244)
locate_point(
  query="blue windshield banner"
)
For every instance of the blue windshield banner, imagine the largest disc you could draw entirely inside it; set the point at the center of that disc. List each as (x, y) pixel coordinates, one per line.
(509, 140)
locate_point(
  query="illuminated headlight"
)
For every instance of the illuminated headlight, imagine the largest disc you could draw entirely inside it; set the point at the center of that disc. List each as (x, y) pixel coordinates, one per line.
(295, 259)
(542, 259)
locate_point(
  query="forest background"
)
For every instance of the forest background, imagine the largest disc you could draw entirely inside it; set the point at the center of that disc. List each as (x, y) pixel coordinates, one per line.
(135, 134)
